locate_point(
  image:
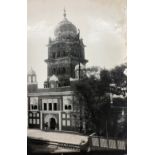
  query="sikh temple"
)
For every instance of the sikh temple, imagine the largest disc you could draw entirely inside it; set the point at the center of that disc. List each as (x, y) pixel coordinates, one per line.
(55, 106)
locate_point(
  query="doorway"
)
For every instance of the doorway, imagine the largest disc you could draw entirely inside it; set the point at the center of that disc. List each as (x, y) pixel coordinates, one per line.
(52, 124)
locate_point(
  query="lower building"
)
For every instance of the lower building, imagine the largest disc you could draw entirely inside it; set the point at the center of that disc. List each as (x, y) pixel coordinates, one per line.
(53, 109)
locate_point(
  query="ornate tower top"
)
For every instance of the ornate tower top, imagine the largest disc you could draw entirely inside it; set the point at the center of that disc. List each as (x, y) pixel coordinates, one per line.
(65, 28)
(65, 52)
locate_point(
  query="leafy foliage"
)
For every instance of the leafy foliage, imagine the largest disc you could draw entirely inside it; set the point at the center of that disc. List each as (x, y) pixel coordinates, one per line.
(95, 100)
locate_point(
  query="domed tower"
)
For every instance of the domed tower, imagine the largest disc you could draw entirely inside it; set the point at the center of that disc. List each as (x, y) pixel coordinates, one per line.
(32, 84)
(65, 51)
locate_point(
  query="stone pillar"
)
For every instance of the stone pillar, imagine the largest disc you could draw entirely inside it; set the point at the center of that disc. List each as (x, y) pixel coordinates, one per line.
(27, 119)
(60, 121)
(28, 103)
(41, 123)
(47, 105)
(42, 106)
(52, 106)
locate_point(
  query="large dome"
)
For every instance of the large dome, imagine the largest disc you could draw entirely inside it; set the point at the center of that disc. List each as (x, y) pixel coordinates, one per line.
(65, 28)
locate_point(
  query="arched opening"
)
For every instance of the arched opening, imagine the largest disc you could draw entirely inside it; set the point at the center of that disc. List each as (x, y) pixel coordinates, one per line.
(52, 123)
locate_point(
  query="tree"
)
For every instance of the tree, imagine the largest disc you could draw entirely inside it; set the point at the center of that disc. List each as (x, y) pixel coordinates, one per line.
(93, 94)
(118, 76)
(119, 121)
(100, 116)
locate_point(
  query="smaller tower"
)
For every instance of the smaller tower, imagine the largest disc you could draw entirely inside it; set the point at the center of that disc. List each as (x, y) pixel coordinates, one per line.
(32, 84)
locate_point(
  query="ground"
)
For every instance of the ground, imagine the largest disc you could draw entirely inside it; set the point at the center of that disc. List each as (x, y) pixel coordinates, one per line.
(57, 136)
(35, 148)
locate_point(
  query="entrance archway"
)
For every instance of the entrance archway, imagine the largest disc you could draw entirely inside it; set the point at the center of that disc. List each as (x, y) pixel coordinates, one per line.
(52, 124)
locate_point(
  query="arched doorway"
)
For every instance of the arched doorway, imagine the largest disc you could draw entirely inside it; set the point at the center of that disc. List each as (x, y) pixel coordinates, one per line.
(52, 123)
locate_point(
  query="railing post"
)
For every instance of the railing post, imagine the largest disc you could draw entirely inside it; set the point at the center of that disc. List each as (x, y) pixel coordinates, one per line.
(89, 143)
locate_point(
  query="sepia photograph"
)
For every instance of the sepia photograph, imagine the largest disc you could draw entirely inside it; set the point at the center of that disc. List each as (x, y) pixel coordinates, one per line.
(77, 77)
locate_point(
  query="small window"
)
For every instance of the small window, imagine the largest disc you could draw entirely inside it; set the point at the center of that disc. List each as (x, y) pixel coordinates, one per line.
(30, 121)
(37, 121)
(45, 106)
(68, 115)
(34, 114)
(55, 106)
(34, 121)
(68, 123)
(63, 115)
(64, 122)
(37, 114)
(35, 107)
(66, 107)
(50, 106)
(30, 114)
(69, 107)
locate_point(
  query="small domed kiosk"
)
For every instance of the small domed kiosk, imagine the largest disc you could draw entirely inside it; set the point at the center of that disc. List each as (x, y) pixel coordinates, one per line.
(32, 84)
(53, 81)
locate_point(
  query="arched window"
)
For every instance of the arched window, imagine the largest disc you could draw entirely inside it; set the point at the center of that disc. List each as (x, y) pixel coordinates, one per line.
(35, 107)
(50, 106)
(55, 106)
(69, 107)
(30, 121)
(30, 114)
(66, 107)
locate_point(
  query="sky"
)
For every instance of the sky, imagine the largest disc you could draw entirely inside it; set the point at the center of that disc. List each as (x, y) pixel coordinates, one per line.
(102, 25)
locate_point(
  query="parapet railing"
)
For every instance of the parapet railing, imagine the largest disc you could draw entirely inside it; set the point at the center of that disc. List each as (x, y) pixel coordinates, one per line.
(101, 143)
(94, 143)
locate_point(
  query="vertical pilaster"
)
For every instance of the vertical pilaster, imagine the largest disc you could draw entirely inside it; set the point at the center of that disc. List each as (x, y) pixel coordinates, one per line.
(41, 123)
(28, 103)
(60, 121)
(52, 106)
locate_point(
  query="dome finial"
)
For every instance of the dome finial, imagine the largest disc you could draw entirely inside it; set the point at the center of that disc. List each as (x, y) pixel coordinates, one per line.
(64, 13)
